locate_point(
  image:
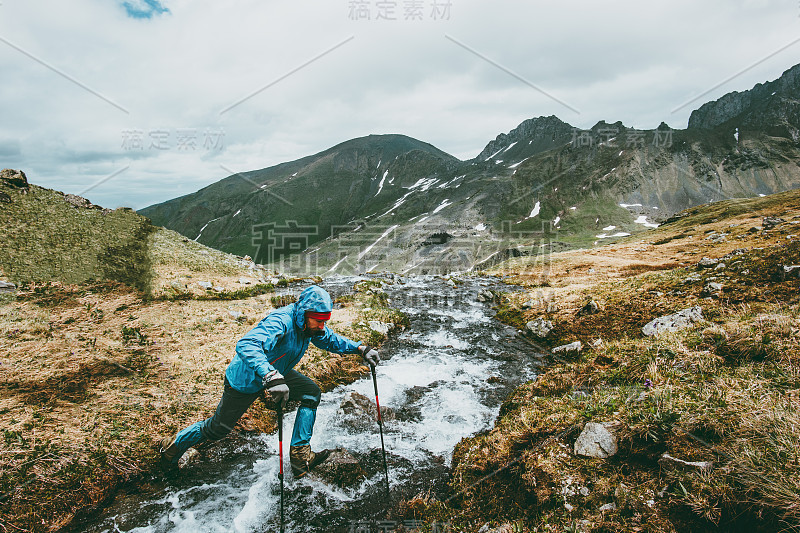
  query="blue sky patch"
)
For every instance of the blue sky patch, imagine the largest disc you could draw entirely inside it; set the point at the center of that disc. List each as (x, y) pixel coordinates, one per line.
(144, 9)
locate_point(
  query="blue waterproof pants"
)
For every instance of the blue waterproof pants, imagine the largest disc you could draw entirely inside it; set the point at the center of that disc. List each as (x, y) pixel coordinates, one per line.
(234, 403)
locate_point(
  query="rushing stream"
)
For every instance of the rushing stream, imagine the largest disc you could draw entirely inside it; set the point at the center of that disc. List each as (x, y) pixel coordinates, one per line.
(445, 378)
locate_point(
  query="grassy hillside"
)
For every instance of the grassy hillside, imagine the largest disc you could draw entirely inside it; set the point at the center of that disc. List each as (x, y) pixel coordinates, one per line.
(722, 394)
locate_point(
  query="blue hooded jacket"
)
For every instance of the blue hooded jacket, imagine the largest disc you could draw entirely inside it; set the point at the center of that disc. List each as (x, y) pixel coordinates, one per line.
(278, 342)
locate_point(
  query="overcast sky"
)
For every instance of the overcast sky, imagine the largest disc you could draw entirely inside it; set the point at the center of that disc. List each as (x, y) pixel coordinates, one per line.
(136, 102)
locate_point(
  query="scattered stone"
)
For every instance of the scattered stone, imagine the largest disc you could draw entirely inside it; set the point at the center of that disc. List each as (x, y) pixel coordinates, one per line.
(530, 304)
(680, 320)
(381, 327)
(539, 328)
(597, 343)
(175, 284)
(692, 278)
(711, 289)
(608, 507)
(219, 289)
(770, 222)
(791, 271)
(720, 266)
(15, 179)
(707, 262)
(667, 461)
(596, 441)
(245, 281)
(340, 469)
(7, 287)
(236, 315)
(573, 347)
(485, 295)
(717, 237)
(590, 308)
(205, 284)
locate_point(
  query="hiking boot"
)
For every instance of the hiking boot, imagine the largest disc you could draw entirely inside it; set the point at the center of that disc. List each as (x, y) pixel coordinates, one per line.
(303, 460)
(169, 450)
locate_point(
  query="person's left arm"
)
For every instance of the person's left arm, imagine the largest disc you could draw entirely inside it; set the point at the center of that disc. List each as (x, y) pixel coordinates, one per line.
(334, 342)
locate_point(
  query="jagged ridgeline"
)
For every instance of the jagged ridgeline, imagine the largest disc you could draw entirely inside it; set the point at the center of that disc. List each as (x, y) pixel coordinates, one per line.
(49, 236)
(384, 200)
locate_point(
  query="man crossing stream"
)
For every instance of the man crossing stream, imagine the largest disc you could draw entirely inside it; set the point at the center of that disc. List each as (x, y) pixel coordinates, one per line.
(264, 364)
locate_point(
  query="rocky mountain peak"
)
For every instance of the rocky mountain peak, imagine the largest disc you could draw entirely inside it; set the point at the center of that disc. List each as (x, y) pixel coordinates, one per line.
(762, 106)
(549, 130)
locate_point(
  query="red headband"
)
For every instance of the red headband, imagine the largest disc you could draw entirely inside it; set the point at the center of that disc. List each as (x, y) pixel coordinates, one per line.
(318, 316)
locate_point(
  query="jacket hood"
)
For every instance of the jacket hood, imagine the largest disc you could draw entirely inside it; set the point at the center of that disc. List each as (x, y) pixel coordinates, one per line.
(313, 298)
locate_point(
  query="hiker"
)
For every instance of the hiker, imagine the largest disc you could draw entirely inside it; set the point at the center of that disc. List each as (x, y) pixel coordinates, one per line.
(264, 363)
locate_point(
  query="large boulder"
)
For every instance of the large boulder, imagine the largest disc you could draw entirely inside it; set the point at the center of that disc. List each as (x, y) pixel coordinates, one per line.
(674, 322)
(340, 469)
(596, 440)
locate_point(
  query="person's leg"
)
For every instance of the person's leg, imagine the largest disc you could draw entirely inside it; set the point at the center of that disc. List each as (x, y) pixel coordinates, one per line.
(304, 390)
(230, 408)
(301, 458)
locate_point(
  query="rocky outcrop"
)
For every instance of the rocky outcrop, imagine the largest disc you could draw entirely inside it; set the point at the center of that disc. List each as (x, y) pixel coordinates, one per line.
(14, 179)
(772, 106)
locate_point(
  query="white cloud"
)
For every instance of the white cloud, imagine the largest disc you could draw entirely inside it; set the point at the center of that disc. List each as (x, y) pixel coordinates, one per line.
(623, 61)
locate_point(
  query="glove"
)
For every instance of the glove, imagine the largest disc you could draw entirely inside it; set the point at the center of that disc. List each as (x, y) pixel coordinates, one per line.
(370, 355)
(275, 384)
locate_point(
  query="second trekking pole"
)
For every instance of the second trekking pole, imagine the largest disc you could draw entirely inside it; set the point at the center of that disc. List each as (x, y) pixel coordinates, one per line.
(280, 454)
(380, 425)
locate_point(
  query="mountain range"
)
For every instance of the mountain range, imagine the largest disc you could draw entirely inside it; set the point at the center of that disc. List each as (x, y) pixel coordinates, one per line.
(390, 202)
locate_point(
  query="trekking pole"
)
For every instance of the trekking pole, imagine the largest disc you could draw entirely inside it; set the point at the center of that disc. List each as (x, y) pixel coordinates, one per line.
(380, 425)
(280, 454)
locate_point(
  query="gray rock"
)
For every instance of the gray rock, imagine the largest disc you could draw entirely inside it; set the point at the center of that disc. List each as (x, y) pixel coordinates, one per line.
(530, 304)
(7, 287)
(175, 284)
(573, 347)
(680, 320)
(205, 284)
(596, 441)
(245, 281)
(485, 295)
(381, 327)
(667, 461)
(539, 328)
(236, 315)
(792, 271)
(770, 222)
(590, 308)
(707, 262)
(711, 289)
(720, 266)
(608, 507)
(340, 469)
